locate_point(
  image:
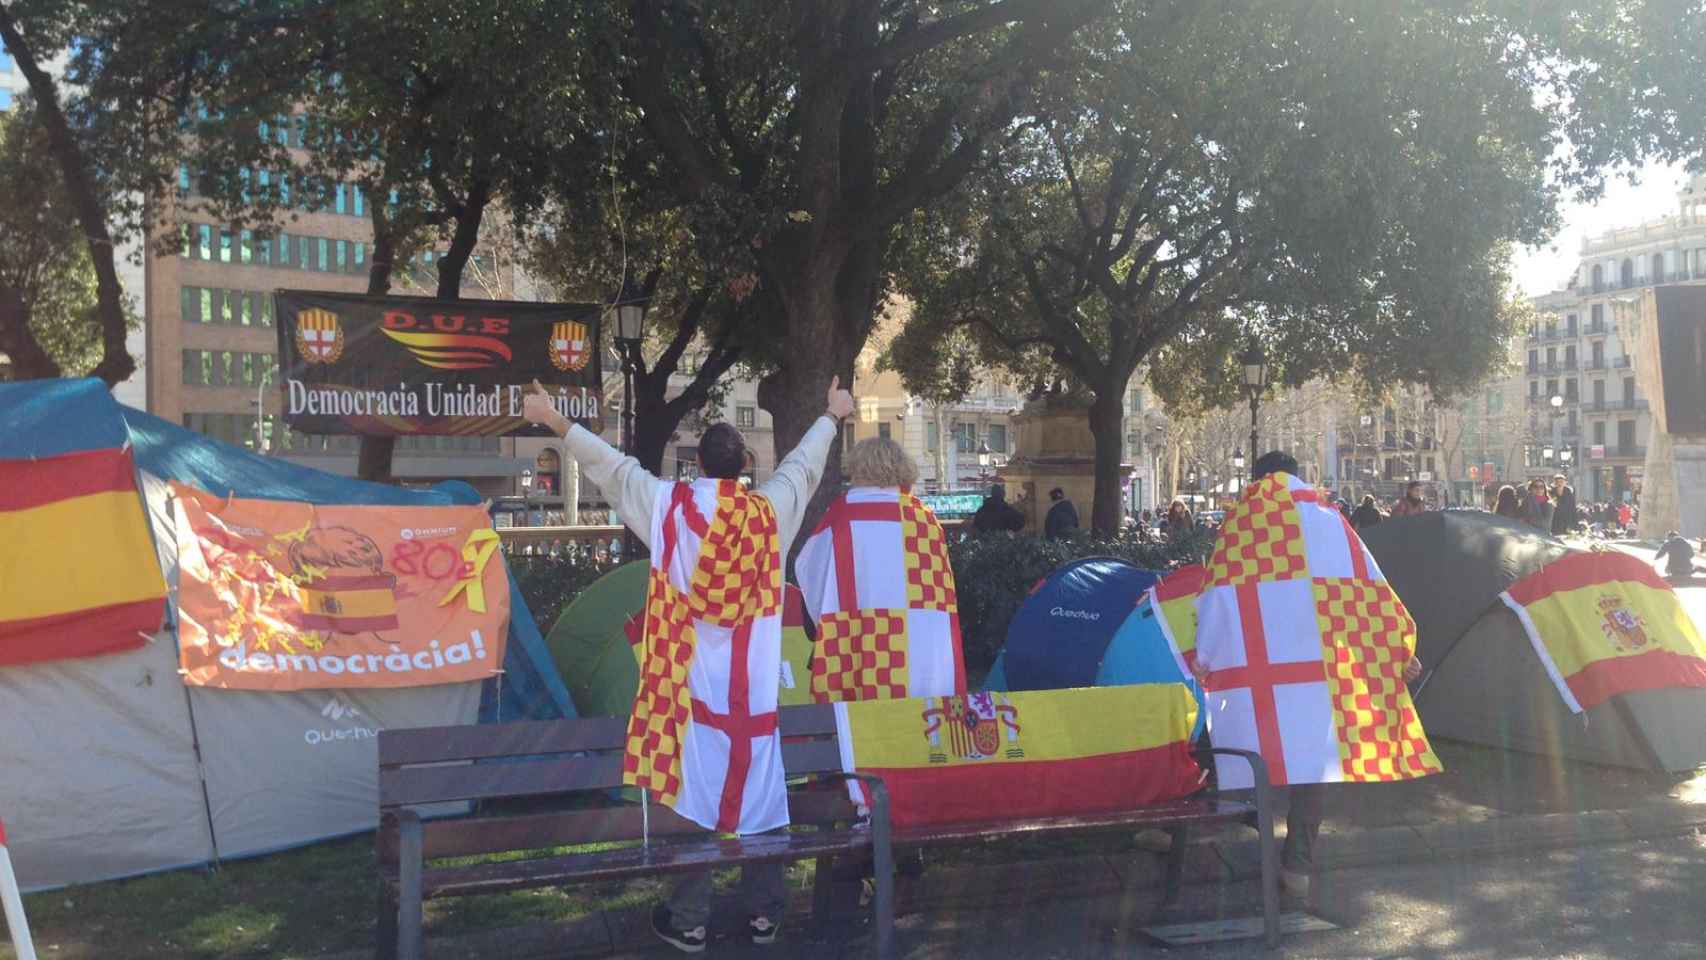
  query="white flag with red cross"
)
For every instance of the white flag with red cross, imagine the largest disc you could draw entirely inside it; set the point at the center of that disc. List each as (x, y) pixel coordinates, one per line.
(1305, 645)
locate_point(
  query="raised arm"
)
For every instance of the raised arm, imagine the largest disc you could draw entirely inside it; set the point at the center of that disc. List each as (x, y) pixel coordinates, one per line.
(790, 488)
(629, 487)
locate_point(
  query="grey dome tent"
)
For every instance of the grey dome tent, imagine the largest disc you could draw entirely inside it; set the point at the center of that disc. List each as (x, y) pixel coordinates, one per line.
(1484, 684)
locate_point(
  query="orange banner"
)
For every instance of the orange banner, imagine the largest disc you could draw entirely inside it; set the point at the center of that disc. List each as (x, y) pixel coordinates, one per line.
(279, 595)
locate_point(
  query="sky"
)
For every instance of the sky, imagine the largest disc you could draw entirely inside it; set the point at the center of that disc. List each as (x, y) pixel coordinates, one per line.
(1544, 269)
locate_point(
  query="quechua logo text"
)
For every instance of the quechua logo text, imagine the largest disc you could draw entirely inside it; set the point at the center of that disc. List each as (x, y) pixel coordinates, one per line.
(451, 341)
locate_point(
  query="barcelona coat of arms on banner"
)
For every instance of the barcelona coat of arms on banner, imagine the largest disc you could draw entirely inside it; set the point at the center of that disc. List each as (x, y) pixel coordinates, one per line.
(570, 349)
(319, 337)
(973, 727)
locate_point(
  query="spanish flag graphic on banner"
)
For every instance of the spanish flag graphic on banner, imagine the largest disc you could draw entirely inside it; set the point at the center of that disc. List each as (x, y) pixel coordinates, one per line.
(1031, 753)
(78, 575)
(1605, 623)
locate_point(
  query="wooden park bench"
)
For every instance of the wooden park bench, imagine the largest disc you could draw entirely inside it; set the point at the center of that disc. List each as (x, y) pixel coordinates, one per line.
(524, 764)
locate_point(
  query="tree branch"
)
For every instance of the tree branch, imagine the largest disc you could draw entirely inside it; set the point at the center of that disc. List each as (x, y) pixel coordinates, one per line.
(927, 37)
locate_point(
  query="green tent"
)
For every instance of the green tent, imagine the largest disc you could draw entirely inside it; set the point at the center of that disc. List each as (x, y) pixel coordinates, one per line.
(593, 644)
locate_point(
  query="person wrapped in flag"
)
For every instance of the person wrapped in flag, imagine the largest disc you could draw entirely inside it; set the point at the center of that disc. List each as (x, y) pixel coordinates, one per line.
(878, 588)
(1303, 651)
(702, 738)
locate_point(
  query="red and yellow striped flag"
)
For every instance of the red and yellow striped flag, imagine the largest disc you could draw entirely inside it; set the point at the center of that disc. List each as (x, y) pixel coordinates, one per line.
(1606, 623)
(78, 573)
(1033, 753)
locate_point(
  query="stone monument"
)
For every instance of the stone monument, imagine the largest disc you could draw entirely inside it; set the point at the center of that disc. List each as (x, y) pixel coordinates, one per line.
(1053, 447)
(1666, 329)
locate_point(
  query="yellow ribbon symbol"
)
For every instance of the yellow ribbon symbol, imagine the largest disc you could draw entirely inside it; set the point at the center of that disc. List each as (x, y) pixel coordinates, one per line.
(476, 553)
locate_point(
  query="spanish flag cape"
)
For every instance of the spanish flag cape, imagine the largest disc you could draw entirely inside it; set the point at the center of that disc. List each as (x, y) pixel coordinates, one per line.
(1605, 623)
(1305, 644)
(1174, 598)
(79, 575)
(703, 732)
(876, 581)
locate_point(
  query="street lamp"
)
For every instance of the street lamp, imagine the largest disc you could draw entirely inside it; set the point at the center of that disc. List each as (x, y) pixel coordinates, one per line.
(630, 310)
(1557, 403)
(1255, 365)
(1238, 465)
(983, 457)
(526, 481)
(1546, 453)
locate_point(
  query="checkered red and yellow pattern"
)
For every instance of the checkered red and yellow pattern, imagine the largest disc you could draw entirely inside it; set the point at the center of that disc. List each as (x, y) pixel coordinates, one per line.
(1369, 637)
(1261, 540)
(862, 655)
(929, 579)
(736, 580)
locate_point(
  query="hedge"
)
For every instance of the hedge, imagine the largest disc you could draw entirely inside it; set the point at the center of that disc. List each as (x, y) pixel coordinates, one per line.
(993, 573)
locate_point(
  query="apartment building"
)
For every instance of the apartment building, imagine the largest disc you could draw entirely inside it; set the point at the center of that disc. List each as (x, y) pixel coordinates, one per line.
(1588, 416)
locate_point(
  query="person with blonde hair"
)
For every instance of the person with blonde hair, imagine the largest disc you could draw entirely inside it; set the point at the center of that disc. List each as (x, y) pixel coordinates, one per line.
(877, 585)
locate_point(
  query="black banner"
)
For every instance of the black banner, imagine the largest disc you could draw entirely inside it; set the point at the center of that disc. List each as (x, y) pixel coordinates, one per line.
(390, 366)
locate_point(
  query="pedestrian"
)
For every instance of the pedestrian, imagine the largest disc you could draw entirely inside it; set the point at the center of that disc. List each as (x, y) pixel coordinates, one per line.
(1062, 517)
(997, 514)
(1507, 504)
(1625, 517)
(854, 570)
(1679, 558)
(1179, 523)
(706, 525)
(1367, 514)
(1537, 508)
(1563, 505)
(1305, 801)
(1411, 502)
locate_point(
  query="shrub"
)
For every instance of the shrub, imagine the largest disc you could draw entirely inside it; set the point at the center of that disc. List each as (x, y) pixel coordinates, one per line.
(549, 581)
(994, 573)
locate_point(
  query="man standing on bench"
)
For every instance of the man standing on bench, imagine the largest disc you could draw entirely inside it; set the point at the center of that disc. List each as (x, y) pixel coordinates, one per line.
(702, 738)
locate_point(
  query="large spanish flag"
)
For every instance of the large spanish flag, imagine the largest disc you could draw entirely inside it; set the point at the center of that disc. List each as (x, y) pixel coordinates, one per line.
(1032, 753)
(78, 572)
(1606, 623)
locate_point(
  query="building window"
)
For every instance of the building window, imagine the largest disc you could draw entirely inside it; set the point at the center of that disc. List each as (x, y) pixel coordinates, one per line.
(356, 201)
(360, 253)
(686, 463)
(965, 437)
(341, 255)
(883, 431)
(1628, 390)
(932, 437)
(192, 367)
(1136, 401)
(1599, 433)
(266, 309)
(1570, 324)
(338, 199)
(204, 245)
(249, 369)
(1570, 389)
(325, 254)
(189, 304)
(998, 438)
(746, 417)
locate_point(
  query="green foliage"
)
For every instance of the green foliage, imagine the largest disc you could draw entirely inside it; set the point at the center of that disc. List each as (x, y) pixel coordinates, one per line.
(994, 573)
(549, 582)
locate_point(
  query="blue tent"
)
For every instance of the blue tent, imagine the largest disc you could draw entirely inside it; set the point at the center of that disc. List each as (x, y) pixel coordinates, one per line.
(1059, 634)
(45, 418)
(1139, 654)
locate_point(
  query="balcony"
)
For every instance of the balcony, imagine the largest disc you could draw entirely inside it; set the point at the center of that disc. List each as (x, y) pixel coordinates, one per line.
(1623, 363)
(1597, 329)
(1595, 364)
(1626, 453)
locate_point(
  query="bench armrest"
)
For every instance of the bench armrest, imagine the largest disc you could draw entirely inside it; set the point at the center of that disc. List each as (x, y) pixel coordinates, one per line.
(875, 790)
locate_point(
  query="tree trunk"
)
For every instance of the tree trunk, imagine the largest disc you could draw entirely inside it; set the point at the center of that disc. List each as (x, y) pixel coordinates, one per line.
(1106, 419)
(116, 362)
(653, 428)
(373, 457)
(462, 241)
(18, 341)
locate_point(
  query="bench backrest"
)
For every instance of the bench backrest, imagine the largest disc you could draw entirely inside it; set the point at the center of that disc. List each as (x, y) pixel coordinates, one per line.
(540, 761)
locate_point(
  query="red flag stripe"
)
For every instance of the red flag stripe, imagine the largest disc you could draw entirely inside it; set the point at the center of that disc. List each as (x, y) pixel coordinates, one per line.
(25, 484)
(81, 633)
(352, 582)
(1576, 570)
(1653, 670)
(1261, 675)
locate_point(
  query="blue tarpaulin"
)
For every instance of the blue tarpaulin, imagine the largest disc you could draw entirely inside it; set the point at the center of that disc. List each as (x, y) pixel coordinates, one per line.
(1139, 654)
(50, 417)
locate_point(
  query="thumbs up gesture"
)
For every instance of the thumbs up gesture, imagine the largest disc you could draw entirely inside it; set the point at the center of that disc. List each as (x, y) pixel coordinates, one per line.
(840, 401)
(536, 408)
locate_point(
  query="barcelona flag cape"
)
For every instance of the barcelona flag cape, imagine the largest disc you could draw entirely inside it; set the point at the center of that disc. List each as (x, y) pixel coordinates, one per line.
(1605, 623)
(703, 732)
(876, 581)
(79, 575)
(1034, 753)
(1305, 646)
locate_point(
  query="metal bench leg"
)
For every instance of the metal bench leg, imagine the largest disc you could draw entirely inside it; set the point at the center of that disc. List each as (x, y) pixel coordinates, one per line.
(410, 924)
(1270, 855)
(1175, 864)
(883, 854)
(823, 886)
(385, 937)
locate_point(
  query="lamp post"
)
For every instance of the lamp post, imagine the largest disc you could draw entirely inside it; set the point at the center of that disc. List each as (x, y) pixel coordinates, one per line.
(1255, 365)
(1238, 464)
(630, 310)
(983, 461)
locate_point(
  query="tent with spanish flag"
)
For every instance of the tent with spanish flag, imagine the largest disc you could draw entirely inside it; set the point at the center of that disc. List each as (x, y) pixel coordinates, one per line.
(115, 761)
(1494, 680)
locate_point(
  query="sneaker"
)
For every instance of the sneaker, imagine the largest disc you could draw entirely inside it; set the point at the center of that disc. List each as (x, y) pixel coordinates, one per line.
(687, 941)
(763, 930)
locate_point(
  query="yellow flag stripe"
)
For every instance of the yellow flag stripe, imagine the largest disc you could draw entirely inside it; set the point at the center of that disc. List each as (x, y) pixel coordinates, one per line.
(1571, 625)
(1053, 724)
(49, 567)
(350, 603)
